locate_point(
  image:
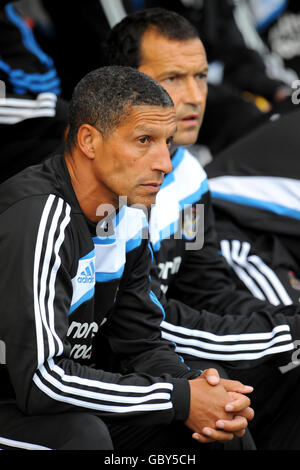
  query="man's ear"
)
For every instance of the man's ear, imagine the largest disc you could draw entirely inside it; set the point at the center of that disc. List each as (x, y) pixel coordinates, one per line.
(88, 140)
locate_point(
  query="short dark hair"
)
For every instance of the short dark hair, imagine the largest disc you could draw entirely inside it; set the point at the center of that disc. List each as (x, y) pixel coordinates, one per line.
(104, 97)
(122, 46)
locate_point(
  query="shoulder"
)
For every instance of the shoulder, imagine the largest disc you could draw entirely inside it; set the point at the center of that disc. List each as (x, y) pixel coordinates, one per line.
(33, 187)
(189, 177)
(132, 227)
(185, 161)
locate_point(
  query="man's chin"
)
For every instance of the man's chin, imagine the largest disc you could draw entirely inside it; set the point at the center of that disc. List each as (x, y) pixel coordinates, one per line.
(144, 203)
(186, 138)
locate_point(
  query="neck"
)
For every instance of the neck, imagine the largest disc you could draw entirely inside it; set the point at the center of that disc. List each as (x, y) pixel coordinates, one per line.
(94, 203)
(173, 149)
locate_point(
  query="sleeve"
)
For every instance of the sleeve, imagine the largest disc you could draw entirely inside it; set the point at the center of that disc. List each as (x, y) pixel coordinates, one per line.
(205, 280)
(134, 331)
(33, 115)
(238, 341)
(37, 247)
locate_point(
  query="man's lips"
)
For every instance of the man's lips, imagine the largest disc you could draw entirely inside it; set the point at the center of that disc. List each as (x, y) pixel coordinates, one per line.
(152, 186)
(190, 119)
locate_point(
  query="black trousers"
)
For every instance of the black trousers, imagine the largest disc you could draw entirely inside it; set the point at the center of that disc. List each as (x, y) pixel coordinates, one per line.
(65, 431)
(175, 438)
(85, 431)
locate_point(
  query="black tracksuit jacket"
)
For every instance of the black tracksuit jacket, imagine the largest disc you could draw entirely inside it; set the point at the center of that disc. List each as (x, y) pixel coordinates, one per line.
(67, 293)
(210, 311)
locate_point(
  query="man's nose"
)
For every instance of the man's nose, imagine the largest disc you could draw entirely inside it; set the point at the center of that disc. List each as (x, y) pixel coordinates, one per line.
(162, 161)
(194, 92)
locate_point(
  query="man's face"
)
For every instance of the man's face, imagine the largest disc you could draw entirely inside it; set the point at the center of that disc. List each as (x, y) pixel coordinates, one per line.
(181, 68)
(135, 157)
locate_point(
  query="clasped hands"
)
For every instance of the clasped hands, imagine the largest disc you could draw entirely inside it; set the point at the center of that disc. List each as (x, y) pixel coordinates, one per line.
(219, 408)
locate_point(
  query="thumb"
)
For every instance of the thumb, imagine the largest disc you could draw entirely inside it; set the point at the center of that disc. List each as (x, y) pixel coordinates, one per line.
(211, 376)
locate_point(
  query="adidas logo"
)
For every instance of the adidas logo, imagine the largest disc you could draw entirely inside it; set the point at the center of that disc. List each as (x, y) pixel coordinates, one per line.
(88, 275)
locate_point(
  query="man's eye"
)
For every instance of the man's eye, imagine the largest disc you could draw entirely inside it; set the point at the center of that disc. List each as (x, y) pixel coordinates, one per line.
(145, 139)
(201, 76)
(170, 79)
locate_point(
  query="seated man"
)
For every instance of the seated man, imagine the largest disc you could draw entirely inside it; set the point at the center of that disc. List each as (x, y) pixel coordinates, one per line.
(69, 282)
(243, 332)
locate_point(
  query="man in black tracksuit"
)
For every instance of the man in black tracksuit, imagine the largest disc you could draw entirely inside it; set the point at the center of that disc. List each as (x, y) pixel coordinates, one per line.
(246, 334)
(83, 363)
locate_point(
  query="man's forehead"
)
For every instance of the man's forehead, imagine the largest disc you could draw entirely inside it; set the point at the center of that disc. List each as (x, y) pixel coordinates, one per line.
(148, 116)
(160, 52)
(148, 111)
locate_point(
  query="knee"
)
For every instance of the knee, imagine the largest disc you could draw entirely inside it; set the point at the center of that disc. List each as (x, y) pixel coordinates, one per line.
(87, 432)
